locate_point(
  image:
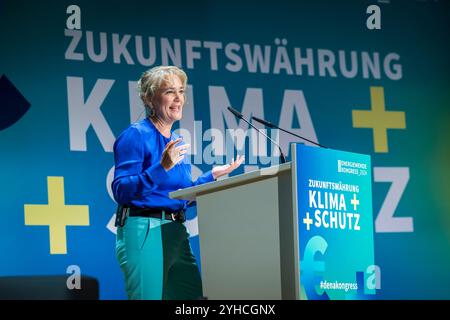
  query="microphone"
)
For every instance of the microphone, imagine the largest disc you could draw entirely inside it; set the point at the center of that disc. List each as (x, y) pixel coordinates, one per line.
(273, 126)
(239, 115)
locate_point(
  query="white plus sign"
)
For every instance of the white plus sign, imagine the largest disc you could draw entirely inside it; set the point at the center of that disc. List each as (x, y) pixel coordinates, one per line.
(308, 221)
(354, 202)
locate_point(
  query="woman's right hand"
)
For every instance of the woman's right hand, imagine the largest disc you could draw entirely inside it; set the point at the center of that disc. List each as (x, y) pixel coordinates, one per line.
(173, 154)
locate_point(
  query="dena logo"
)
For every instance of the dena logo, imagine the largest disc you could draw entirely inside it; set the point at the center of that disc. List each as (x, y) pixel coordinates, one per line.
(74, 280)
(73, 21)
(374, 20)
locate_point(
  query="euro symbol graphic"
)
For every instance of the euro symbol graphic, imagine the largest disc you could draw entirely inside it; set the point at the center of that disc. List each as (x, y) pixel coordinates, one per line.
(309, 267)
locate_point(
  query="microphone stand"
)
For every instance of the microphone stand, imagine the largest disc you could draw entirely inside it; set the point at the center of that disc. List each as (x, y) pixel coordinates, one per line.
(273, 126)
(240, 116)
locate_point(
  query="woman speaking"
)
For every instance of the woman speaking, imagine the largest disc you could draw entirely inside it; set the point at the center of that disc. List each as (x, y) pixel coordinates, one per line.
(152, 244)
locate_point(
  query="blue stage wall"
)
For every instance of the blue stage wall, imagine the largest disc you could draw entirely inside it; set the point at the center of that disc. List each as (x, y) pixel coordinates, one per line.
(312, 66)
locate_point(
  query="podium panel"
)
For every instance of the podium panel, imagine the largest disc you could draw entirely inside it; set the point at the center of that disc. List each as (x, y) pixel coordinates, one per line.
(300, 230)
(240, 249)
(333, 204)
(247, 245)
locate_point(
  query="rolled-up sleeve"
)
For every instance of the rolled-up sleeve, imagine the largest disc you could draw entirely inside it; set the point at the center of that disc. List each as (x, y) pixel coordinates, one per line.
(130, 179)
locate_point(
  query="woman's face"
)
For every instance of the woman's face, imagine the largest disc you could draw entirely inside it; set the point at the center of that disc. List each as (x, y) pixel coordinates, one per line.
(168, 101)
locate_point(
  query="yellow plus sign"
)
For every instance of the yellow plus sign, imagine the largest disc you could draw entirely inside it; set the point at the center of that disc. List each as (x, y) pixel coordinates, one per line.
(56, 215)
(354, 201)
(378, 119)
(308, 221)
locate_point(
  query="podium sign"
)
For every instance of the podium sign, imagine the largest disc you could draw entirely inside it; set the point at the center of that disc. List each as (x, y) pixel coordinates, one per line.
(333, 204)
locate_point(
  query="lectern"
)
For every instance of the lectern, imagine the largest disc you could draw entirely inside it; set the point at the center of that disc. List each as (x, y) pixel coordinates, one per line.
(253, 234)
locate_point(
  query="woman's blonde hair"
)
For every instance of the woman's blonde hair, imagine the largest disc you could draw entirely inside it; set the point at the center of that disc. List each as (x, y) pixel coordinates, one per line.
(152, 79)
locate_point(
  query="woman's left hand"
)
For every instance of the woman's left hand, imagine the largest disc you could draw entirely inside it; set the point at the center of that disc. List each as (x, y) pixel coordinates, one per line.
(226, 169)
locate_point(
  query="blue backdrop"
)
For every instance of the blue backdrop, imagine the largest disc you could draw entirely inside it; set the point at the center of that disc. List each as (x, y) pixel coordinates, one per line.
(68, 90)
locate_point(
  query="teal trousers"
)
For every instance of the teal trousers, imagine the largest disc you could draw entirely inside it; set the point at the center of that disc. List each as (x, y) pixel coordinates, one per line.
(157, 260)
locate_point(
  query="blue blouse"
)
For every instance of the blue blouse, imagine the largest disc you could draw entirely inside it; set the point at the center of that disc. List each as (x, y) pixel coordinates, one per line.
(139, 178)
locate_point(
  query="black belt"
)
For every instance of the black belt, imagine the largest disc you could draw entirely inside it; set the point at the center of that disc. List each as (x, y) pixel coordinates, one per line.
(157, 213)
